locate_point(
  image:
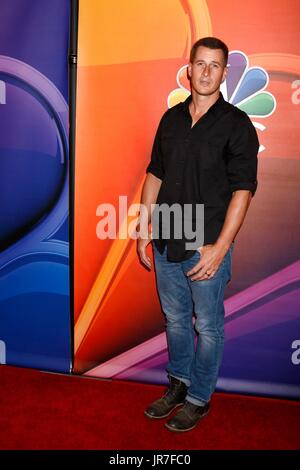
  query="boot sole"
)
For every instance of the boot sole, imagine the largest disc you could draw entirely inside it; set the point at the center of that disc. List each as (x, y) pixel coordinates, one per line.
(164, 416)
(170, 428)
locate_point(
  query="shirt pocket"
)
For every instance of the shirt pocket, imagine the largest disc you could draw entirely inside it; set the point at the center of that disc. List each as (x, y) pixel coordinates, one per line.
(171, 150)
(213, 158)
(169, 144)
(206, 153)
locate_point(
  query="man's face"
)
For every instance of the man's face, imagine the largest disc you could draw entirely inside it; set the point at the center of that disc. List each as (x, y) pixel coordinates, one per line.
(207, 71)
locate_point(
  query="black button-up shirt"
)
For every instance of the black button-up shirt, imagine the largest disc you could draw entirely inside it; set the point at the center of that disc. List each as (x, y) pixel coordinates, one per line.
(203, 164)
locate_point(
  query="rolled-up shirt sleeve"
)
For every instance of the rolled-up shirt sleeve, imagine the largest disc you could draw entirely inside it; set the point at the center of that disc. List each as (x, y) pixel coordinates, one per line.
(156, 166)
(242, 150)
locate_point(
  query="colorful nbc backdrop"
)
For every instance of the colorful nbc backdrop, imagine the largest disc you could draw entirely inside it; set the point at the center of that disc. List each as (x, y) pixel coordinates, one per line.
(34, 185)
(132, 58)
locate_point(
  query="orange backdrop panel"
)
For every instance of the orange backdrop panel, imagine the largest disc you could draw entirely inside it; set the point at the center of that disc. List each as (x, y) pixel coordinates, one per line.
(129, 54)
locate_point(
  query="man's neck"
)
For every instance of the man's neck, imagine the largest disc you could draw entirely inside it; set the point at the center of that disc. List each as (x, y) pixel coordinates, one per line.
(200, 104)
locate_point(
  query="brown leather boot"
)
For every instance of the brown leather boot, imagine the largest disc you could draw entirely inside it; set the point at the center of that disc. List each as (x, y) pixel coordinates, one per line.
(187, 418)
(174, 396)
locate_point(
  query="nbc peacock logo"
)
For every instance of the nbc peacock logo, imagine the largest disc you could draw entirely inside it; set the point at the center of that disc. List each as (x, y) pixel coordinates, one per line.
(244, 87)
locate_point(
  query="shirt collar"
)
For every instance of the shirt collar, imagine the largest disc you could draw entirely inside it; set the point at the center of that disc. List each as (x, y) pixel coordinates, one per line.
(213, 109)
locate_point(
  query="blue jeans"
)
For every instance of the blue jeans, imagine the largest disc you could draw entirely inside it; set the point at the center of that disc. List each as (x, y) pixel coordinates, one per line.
(197, 365)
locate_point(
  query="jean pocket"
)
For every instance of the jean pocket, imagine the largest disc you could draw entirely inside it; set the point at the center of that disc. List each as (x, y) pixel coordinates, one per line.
(229, 264)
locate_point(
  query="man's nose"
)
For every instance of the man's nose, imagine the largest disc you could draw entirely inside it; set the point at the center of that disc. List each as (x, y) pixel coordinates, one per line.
(206, 70)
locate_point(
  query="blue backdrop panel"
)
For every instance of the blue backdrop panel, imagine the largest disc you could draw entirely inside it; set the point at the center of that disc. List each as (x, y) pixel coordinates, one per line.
(34, 248)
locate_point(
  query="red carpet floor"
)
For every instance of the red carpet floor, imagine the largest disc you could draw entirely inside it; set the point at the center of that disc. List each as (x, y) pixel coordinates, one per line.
(50, 411)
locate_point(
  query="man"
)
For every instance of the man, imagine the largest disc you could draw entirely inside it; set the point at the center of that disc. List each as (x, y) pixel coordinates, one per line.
(205, 152)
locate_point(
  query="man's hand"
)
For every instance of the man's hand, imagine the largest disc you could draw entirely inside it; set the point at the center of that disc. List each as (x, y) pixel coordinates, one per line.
(212, 255)
(141, 249)
(211, 258)
(150, 192)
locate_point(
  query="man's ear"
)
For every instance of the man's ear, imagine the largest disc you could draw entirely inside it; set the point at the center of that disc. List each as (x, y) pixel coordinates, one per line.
(224, 74)
(189, 71)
